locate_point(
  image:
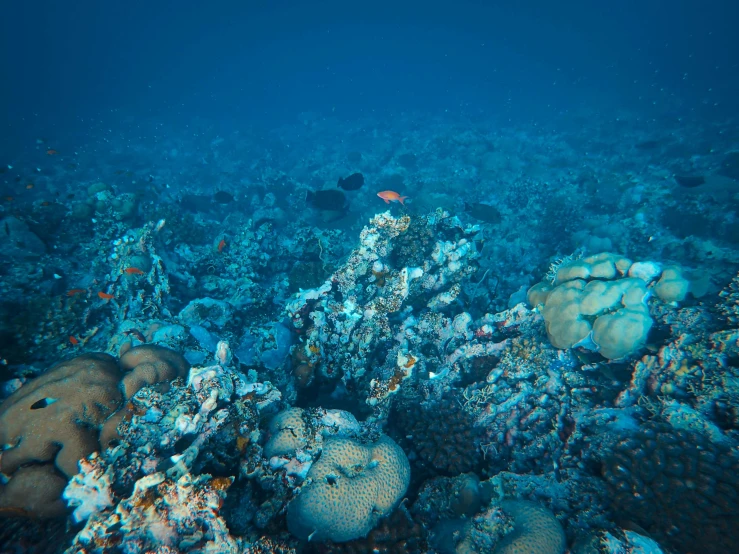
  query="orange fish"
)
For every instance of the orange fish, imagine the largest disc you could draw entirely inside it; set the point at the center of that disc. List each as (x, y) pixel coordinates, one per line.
(73, 340)
(51, 152)
(221, 245)
(105, 295)
(75, 292)
(391, 196)
(29, 186)
(9, 199)
(133, 271)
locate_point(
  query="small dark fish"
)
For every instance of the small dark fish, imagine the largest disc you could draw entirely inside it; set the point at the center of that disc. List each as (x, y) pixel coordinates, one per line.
(690, 181)
(138, 335)
(332, 200)
(483, 212)
(223, 197)
(353, 182)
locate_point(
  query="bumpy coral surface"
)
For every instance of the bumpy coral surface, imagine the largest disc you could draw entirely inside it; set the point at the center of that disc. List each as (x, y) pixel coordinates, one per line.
(288, 433)
(350, 488)
(443, 435)
(679, 486)
(535, 530)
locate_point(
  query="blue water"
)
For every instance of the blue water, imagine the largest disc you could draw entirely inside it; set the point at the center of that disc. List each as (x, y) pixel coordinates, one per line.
(562, 130)
(82, 69)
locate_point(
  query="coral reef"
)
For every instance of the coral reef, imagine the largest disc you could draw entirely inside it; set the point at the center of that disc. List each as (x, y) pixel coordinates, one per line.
(181, 514)
(508, 527)
(535, 530)
(148, 491)
(614, 542)
(391, 394)
(346, 324)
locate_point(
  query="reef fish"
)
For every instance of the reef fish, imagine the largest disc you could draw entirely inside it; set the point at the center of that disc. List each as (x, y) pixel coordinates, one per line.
(332, 200)
(133, 271)
(221, 245)
(223, 197)
(391, 196)
(51, 152)
(136, 334)
(353, 182)
(105, 296)
(690, 181)
(483, 212)
(75, 292)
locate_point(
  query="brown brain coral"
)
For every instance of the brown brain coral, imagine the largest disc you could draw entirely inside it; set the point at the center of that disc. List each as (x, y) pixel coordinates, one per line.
(64, 415)
(52, 422)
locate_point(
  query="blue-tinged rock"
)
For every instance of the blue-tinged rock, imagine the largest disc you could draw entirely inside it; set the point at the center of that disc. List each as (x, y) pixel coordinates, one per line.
(153, 415)
(17, 241)
(268, 346)
(272, 358)
(206, 339)
(168, 333)
(246, 351)
(195, 357)
(206, 312)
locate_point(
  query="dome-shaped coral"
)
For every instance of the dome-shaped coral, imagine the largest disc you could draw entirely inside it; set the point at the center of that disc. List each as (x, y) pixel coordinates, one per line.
(351, 487)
